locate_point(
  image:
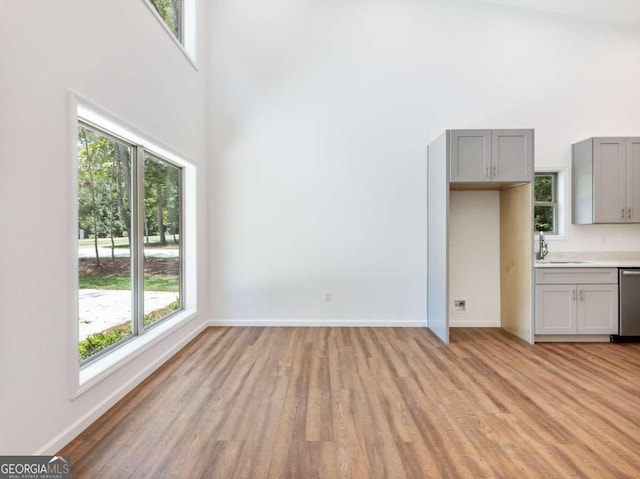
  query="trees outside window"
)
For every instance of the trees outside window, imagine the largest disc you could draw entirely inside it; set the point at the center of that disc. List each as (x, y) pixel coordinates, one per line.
(171, 12)
(545, 205)
(129, 240)
(162, 227)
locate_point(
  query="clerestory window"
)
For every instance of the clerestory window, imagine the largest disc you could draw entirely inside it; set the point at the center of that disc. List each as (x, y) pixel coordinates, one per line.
(178, 17)
(171, 13)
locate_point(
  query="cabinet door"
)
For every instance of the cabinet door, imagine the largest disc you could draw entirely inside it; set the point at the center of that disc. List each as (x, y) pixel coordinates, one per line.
(597, 309)
(512, 155)
(556, 309)
(609, 184)
(633, 180)
(470, 156)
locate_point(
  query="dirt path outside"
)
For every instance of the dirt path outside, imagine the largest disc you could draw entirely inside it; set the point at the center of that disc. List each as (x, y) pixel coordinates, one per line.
(122, 267)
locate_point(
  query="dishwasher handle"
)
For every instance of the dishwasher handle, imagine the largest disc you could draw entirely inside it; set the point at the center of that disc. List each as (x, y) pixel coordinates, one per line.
(631, 273)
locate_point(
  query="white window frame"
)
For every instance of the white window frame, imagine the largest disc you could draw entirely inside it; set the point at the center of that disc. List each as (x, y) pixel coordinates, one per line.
(187, 44)
(89, 374)
(562, 197)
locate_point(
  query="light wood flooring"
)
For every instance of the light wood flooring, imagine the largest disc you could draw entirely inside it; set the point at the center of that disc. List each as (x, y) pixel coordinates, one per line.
(374, 402)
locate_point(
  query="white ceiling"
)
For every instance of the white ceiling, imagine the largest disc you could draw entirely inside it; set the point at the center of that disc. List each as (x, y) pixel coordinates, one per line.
(622, 12)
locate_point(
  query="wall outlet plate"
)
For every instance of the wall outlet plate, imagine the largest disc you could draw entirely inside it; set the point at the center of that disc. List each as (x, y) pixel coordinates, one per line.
(459, 305)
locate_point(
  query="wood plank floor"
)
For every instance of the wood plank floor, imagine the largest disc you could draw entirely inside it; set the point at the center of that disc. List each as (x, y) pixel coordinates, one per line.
(374, 402)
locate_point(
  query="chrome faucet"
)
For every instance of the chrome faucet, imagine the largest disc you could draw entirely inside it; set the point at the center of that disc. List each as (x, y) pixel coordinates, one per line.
(543, 248)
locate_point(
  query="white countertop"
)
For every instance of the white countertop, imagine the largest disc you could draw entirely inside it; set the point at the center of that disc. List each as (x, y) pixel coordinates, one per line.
(567, 263)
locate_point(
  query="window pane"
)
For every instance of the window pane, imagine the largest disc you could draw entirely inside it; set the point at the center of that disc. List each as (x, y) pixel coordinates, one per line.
(171, 13)
(543, 190)
(162, 252)
(104, 229)
(544, 218)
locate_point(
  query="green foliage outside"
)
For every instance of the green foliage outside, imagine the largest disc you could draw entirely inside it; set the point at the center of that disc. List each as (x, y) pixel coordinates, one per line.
(97, 342)
(161, 199)
(105, 167)
(543, 218)
(543, 215)
(104, 188)
(104, 194)
(543, 188)
(102, 340)
(151, 283)
(158, 314)
(170, 11)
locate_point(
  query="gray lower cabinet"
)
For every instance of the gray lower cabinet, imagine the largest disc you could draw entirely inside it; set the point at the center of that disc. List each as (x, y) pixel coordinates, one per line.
(485, 156)
(576, 301)
(556, 309)
(606, 180)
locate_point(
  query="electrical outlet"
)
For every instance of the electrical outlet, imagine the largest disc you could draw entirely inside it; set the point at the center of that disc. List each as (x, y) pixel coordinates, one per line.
(328, 296)
(459, 305)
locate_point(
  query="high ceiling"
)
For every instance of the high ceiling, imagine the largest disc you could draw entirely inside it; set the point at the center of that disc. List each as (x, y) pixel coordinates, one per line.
(622, 12)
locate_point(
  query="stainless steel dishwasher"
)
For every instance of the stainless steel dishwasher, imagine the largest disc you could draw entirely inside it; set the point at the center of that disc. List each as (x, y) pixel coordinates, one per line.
(629, 303)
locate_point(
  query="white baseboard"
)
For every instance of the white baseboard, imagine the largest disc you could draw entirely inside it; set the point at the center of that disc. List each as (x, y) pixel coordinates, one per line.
(66, 436)
(473, 324)
(343, 323)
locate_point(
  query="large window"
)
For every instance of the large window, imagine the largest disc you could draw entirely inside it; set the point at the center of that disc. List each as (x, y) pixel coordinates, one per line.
(130, 217)
(545, 206)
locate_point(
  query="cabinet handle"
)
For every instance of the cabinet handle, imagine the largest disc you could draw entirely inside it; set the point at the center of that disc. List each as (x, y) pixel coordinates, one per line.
(495, 170)
(622, 213)
(573, 295)
(629, 213)
(486, 172)
(582, 295)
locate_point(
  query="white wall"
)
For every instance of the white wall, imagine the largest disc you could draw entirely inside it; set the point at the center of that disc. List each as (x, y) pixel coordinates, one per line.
(318, 114)
(117, 55)
(320, 117)
(474, 257)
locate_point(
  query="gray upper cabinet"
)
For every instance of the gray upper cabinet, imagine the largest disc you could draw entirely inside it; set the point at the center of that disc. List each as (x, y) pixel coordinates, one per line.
(606, 180)
(633, 180)
(470, 155)
(512, 155)
(479, 156)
